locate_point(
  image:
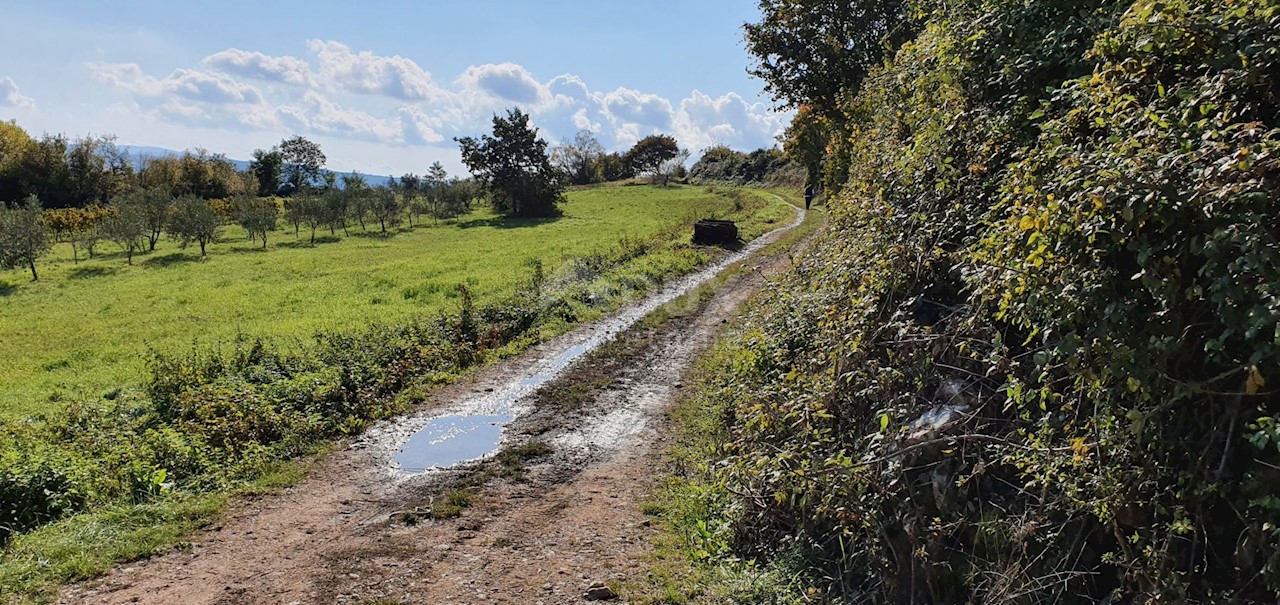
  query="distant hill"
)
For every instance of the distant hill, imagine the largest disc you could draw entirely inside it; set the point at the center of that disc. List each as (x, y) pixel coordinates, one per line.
(138, 153)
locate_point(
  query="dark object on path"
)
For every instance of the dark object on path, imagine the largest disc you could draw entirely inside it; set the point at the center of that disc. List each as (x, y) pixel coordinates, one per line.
(711, 232)
(600, 592)
(808, 196)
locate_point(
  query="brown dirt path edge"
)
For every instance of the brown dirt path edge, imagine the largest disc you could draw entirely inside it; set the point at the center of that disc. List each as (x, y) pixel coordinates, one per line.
(573, 521)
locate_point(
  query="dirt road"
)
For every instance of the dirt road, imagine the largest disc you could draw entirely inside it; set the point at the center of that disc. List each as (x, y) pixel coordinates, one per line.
(537, 530)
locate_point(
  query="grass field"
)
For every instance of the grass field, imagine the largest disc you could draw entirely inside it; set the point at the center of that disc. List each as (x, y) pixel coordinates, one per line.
(85, 329)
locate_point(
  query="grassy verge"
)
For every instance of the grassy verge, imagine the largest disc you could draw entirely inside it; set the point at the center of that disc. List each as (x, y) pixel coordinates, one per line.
(115, 480)
(692, 560)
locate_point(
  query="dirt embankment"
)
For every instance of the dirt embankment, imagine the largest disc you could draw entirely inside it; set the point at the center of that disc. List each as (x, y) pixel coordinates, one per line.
(559, 512)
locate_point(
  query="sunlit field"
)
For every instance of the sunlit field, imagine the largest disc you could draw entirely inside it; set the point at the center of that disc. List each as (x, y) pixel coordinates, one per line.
(85, 329)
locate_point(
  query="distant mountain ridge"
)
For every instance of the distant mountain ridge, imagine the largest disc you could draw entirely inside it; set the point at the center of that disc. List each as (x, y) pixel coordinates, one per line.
(138, 153)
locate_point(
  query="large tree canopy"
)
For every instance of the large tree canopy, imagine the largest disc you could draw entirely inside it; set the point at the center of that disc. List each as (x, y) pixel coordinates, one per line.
(512, 167)
(303, 163)
(648, 154)
(810, 51)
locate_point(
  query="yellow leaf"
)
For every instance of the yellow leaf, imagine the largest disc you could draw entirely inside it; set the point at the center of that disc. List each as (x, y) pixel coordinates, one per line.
(1134, 384)
(1026, 224)
(1254, 382)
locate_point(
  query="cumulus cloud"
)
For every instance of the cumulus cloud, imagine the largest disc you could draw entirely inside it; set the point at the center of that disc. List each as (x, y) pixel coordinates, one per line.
(627, 106)
(417, 127)
(703, 121)
(507, 82)
(367, 73)
(320, 115)
(582, 121)
(252, 64)
(201, 86)
(11, 96)
(569, 87)
(358, 95)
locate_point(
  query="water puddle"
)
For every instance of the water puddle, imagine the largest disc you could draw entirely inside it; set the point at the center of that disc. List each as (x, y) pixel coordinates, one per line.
(475, 427)
(448, 440)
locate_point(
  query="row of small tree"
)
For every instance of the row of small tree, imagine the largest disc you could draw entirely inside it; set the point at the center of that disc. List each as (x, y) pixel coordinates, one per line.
(583, 160)
(136, 221)
(410, 198)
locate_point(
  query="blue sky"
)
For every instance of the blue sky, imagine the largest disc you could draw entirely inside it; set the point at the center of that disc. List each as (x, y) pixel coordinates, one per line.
(384, 87)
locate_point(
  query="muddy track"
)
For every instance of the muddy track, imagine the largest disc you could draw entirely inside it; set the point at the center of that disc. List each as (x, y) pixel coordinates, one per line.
(540, 530)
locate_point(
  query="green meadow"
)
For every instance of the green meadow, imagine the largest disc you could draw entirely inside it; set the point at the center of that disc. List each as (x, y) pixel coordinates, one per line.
(85, 329)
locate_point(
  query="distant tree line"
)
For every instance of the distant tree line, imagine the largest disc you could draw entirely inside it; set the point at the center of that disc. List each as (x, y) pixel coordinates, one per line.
(87, 192)
(721, 164)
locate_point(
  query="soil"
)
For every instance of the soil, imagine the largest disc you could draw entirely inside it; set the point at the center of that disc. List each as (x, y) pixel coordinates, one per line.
(543, 525)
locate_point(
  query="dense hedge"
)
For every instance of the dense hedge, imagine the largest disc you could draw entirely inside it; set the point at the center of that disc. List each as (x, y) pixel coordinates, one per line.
(722, 165)
(1033, 357)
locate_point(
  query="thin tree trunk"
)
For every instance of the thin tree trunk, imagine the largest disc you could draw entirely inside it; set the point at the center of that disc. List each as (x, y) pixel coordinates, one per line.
(31, 262)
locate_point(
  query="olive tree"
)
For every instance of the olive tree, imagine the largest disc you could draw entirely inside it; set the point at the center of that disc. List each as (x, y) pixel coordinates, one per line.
(194, 220)
(257, 216)
(127, 226)
(23, 237)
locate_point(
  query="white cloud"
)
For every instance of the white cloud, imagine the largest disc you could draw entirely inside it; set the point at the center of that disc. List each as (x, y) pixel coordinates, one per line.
(367, 73)
(506, 82)
(316, 114)
(627, 106)
(11, 96)
(201, 86)
(390, 100)
(703, 121)
(569, 86)
(252, 64)
(582, 122)
(417, 127)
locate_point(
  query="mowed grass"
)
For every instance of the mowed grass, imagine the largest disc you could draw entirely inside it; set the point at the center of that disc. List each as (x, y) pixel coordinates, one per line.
(85, 329)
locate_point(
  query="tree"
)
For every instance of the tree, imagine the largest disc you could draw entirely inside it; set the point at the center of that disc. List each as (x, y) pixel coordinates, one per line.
(266, 166)
(454, 199)
(153, 206)
(648, 154)
(302, 163)
(257, 216)
(306, 208)
(805, 142)
(127, 227)
(15, 144)
(443, 197)
(194, 220)
(386, 207)
(579, 159)
(615, 167)
(23, 238)
(334, 205)
(436, 174)
(673, 167)
(813, 51)
(512, 167)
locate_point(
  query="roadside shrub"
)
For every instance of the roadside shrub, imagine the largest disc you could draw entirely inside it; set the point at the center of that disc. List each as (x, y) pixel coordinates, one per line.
(1031, 358)
(37, 485)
